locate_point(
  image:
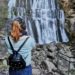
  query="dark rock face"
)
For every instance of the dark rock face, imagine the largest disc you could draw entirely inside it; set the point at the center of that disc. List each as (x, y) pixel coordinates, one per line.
(69, 9)
(47, 62)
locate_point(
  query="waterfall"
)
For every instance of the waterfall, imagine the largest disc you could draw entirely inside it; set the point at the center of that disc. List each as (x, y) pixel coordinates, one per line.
(44, 19)
(62, 21)
(11, 4)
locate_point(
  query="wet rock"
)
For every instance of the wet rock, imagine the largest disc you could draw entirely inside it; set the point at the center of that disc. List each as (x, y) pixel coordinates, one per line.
(50, 73)
(48, 65)
(36, 72)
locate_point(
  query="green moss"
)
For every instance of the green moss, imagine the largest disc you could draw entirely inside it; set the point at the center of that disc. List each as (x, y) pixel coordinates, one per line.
(3, 14)
(2, 23)
(72, 72)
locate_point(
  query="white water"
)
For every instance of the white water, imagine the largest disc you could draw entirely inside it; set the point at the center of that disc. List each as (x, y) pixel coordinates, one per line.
(44, 17)
(11, 4)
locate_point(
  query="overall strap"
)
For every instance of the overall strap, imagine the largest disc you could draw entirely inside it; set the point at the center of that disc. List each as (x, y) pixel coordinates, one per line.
(22, 44)
(11, 45)
(19, 47)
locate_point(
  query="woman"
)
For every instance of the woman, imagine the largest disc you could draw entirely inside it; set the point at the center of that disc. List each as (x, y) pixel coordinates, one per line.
(17, 37)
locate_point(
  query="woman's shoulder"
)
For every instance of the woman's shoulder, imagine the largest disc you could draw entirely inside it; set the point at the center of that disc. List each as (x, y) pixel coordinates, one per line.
(25, 36)
(22, 38)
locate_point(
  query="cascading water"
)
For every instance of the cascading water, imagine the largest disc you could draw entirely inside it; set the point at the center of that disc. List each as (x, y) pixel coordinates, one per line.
(44, 20)
(11, 4)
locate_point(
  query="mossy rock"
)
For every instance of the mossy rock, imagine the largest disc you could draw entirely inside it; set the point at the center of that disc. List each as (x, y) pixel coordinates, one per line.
(3, 12)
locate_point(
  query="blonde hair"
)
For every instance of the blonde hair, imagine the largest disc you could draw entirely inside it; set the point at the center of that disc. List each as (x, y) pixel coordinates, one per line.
(15, 31)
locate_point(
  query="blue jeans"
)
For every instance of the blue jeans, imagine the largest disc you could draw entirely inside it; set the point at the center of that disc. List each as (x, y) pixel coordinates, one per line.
(26, 71)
